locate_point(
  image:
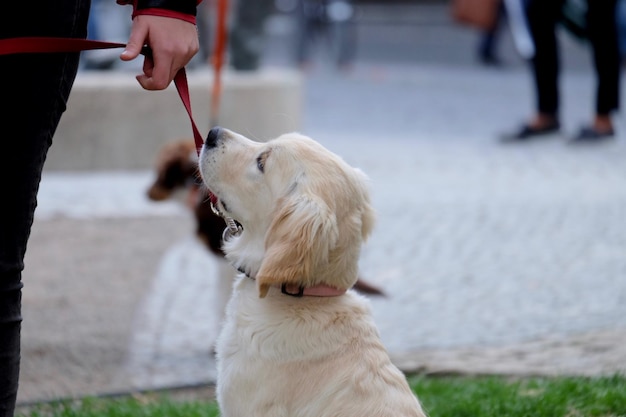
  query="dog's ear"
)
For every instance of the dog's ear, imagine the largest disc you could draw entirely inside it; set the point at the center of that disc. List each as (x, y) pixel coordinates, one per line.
(368, 215)
(300, 238)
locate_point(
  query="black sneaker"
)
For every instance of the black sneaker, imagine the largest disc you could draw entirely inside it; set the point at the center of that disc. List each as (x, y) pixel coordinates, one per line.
(589, 134)
(526, 133)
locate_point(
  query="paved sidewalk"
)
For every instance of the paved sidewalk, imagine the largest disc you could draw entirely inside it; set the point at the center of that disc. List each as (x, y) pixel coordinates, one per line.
(506, 259)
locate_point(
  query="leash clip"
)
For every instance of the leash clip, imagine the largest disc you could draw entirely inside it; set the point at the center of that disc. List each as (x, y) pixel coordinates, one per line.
(233, 229)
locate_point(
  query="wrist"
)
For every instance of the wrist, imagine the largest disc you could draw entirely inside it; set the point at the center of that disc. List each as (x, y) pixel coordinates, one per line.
(180, 6)
(178, 9)
(165, 13)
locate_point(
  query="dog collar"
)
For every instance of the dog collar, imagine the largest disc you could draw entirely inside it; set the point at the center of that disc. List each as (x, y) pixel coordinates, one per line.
(320, 290)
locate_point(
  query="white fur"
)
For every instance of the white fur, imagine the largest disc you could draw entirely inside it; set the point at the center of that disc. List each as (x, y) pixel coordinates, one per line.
(305, 213)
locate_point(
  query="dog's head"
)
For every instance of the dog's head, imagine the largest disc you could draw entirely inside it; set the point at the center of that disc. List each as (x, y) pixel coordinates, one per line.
(304, 211)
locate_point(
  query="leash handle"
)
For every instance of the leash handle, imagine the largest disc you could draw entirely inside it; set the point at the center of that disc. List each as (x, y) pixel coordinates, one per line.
(54, 45)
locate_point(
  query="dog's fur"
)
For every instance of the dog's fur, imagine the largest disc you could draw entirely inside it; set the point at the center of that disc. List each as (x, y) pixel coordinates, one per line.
(305, 214)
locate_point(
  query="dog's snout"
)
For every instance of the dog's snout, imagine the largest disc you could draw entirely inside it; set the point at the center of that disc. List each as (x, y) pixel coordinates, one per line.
(212, 137)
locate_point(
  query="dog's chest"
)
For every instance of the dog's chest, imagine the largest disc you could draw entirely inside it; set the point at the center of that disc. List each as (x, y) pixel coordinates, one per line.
(277, 360)
(278, 327)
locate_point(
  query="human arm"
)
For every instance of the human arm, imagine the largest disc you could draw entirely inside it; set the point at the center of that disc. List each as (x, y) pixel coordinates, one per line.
(168, 28)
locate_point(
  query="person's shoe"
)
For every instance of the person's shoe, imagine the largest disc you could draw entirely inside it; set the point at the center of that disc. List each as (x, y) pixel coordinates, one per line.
(589, 134)
(527, 132)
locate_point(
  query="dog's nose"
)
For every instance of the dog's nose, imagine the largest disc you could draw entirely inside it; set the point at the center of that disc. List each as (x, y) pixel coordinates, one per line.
(212, 137)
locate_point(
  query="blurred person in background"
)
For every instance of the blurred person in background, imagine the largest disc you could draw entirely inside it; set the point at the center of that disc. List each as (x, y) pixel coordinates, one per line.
(246, 37)
(489, 38)
(329, 19)
(206, 26)
(36, 90)
(601, 31)
(247, 34)
(107, 22)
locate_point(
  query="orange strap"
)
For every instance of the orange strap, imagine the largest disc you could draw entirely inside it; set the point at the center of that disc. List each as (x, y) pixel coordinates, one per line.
(219, 52)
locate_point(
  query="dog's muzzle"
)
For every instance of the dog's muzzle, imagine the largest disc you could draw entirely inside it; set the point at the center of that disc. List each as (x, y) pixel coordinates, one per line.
(233, 228)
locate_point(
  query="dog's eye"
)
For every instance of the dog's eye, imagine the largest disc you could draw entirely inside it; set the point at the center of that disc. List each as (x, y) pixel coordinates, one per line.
(260, 162)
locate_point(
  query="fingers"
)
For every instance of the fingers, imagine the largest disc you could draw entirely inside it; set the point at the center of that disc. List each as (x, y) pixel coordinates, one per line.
(153, 84)
(174, 42)
(158, 72)
(157, 77)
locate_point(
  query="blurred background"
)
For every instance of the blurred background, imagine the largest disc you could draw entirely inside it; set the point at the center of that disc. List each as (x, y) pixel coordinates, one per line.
(362, 31)
(494, 258)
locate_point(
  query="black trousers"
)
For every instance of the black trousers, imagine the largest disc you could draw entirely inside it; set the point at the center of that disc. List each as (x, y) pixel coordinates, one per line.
(602, 31)
(34, 89)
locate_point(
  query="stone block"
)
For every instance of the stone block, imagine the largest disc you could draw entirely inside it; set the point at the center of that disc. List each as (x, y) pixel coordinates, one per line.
(111, 123)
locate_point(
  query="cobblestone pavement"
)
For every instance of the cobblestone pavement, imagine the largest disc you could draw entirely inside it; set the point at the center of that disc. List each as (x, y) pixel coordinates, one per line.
(494, 258)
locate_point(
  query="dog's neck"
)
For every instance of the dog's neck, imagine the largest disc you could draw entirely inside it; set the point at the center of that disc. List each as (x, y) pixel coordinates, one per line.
(293, 290)
(241, 247)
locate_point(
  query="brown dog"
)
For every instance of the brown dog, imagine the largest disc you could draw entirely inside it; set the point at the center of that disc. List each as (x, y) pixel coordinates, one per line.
(177, 170)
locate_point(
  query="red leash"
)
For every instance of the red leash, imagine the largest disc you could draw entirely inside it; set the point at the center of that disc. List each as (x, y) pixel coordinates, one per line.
(42, 44)
(49, 45)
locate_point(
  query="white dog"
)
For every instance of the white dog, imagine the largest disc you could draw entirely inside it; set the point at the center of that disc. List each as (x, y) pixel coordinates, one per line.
(297, 341)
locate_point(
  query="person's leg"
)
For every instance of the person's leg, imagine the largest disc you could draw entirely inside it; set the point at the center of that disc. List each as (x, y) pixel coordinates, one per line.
(542, 18)
(602, 31)
(107, 22)
(305, 18)
(489, 39)
(205, 24)
(344, 35)
(35, 90)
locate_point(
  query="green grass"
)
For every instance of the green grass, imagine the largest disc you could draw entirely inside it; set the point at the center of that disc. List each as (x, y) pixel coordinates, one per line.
(136, 406)
(441, 397)
(517, 397)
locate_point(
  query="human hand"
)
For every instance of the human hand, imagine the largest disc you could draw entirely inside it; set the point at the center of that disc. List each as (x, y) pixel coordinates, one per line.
(173, 42)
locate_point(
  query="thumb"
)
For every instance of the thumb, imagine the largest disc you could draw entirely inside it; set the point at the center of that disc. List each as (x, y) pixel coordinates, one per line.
(131, 51)
(134, 44)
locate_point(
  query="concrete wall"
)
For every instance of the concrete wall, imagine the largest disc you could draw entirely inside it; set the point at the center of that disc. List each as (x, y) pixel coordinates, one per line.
(112, 123)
